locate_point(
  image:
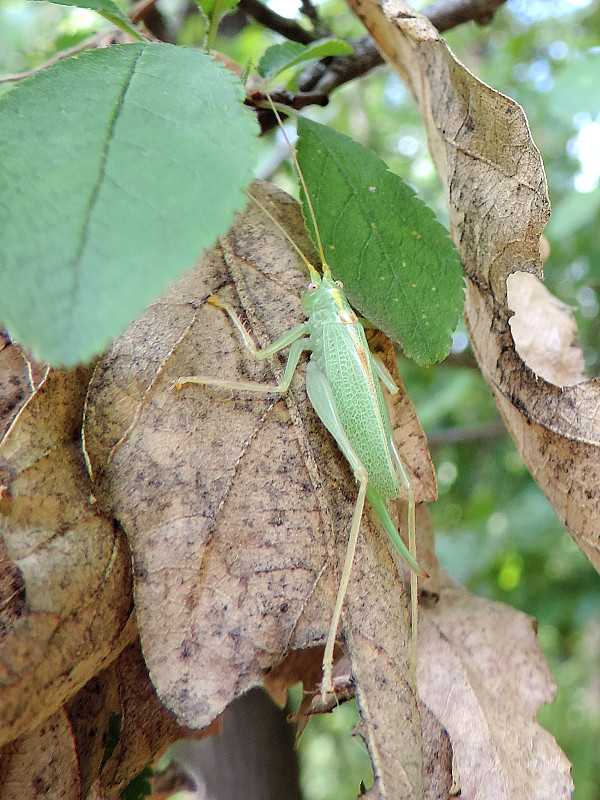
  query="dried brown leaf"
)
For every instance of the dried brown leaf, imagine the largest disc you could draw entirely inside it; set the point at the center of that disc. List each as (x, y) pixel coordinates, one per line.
(15, 386)
(301, 666)
(498, 205)
(123, 689)
(42, 764)
(65, 757)
(66, 573)
(483, 675)
(544, 331)
(378, 647)
(437, 757)
(238, 507)
(18, 379)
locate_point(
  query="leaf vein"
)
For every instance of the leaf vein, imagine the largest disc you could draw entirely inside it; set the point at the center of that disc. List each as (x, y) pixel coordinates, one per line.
(76, 262)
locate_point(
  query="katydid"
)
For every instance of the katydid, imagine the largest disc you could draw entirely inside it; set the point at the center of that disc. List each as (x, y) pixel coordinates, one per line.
(343, 383)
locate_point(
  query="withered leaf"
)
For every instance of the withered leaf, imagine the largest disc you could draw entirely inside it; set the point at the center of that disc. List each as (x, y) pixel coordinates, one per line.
(483, 675)
(66, 571)
(18, 379)
(146, 727)
(67, 757)
(544, 331)
(237, 507)
(41, 764)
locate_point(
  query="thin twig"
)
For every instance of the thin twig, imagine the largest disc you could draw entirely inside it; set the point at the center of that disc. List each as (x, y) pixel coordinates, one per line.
(446, 14)
(321, 27)
(97, 40)
(287, 100)
(465, 359)
(328, 74)
(310, 12)
(140, 9)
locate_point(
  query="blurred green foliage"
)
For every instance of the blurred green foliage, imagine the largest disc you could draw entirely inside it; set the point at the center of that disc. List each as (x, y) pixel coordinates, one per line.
(496, 532)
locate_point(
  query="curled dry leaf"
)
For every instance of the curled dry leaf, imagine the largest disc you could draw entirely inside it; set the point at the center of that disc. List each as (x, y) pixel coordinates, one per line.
(544, 331)
(18, 379)
(498, 204)
(483, 675)
(238, 507)
(98, 743)
(65, 571)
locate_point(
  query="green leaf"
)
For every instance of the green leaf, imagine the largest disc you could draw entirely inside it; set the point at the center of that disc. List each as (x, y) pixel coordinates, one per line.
(398, 264)
(119, 166)
(108, 10)
(209, 6)
(140, 787)
(282, 56)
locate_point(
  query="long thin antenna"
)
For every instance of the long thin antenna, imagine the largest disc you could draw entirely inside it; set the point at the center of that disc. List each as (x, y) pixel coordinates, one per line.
(303, 183)
(314, 275)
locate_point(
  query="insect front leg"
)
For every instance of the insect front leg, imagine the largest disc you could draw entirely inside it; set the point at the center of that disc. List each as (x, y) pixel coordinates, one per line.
(294, 337)
(321, 396)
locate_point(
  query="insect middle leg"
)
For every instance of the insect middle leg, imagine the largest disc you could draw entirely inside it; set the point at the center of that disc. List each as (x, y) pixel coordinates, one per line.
(294, 337)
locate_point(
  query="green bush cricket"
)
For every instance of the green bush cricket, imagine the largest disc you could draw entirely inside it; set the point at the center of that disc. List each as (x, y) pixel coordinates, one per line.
(343, 383)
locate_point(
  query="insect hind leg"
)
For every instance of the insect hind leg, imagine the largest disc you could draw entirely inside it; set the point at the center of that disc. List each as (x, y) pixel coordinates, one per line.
(321, 396)
(412, 546)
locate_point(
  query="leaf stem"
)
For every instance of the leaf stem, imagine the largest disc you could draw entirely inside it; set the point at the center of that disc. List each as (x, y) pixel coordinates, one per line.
(213, 25)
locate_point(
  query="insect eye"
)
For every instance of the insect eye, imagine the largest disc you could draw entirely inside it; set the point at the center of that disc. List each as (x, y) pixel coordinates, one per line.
(340, 284)
(312, 286)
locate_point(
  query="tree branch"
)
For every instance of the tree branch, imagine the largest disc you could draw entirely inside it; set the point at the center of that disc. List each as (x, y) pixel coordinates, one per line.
(446, 14)
(140, 9)
(286, 27)
(267, 119)
(100, 39)
(309, 11)
(443, 14)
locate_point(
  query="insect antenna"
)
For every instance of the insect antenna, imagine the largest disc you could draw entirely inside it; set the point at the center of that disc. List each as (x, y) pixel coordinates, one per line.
(302, 183)
(314, 275)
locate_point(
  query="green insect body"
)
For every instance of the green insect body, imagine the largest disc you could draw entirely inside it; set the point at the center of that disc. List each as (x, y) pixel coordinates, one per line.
(343, 382)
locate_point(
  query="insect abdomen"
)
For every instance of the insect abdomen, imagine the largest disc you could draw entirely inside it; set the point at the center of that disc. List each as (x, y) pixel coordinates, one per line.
(359, 401)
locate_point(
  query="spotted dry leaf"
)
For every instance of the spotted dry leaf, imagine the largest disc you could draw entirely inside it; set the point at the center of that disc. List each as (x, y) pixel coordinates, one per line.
(41, 763)
(64, 569)
(237, 507)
